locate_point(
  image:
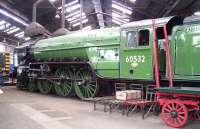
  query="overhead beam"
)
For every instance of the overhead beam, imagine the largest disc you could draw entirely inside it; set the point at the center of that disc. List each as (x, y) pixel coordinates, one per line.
(172, 7)
(169, 8)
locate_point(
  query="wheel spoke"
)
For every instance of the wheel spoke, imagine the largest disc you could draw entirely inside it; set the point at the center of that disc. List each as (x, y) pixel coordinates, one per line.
(181, 117)
(179, 109)
(176, 121)
(87, 91)
(179, 120)
(90, 91)
(167, 110)
(181, 113)
(169, 107)
(173, 106)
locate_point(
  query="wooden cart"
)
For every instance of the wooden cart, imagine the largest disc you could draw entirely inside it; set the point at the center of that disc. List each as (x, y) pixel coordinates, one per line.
(178, 104)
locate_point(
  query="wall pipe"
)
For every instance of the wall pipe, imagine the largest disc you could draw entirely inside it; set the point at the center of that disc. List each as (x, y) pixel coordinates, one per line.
(35, 10)
(63, 14)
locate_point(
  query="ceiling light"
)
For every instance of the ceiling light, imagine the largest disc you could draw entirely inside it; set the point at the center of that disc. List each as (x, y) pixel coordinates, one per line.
(77, 20)
(121, 5)
(120, 20)
(13, 31)
(69, 9)
(124, 10)
(197, 13)
(13, 17)
(116, 15)
(87, 28)
(69, 4)
(28, 38)
(76, 24)
(116, 22)
(7, 25)
(72, 14)
(119, 17)
(4, 26)
(21, 36)
(133, 1)
(76, 17)
(20, 33)
(126, 19)
(2, 22)
(52, 0)
(11, 28)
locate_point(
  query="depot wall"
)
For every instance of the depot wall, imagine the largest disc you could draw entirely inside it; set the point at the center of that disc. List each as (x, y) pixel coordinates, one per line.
(4, 48)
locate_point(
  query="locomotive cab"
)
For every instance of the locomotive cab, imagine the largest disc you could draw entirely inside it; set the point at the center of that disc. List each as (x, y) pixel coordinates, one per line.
(136, 52)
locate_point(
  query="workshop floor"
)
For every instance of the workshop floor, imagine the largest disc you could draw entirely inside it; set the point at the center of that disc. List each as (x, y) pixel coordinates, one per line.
(25, 110)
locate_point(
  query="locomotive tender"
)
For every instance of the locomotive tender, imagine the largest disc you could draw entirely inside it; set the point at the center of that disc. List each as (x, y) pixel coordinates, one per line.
(80, 61)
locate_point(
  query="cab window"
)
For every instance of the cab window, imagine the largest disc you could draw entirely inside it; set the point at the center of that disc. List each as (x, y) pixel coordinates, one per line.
(131, 39)
(137, 38)
(143, 36)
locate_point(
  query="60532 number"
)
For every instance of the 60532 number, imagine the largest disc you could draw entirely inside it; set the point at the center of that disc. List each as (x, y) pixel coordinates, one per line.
(137, 59)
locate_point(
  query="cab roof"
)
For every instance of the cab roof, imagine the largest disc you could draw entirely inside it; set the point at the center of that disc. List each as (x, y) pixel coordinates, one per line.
(159, 22)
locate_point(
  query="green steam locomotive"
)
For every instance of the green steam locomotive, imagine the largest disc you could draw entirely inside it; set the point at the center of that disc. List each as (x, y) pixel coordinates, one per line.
(82, 62)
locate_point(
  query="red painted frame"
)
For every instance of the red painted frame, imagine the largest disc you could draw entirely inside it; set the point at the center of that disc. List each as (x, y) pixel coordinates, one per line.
(190, 100)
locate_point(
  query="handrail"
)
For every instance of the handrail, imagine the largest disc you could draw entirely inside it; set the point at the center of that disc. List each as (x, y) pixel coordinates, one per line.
(155, 58)
(168, 56)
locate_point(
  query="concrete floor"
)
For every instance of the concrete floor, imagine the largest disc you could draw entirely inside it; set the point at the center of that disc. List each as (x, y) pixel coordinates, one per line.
(25, 110)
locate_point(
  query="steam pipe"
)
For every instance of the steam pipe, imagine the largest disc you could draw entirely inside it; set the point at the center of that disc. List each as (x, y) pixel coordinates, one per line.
(35, 10)
(63, 14)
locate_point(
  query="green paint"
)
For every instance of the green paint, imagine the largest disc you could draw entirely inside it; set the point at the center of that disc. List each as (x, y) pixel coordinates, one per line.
(106, 51)
(98, 47)
(185, 51)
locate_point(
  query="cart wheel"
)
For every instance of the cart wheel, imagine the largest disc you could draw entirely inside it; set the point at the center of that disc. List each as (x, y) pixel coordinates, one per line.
(174, 114)
(195, 115)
